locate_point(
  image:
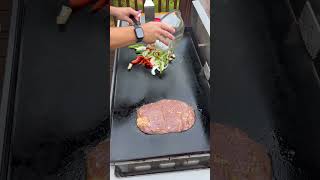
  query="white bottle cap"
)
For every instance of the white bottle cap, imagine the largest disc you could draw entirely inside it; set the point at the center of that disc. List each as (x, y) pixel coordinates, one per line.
(149, 3)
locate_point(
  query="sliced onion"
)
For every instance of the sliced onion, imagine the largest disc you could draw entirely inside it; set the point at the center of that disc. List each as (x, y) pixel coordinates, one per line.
(153, 71)
(152, 61)
(130, 66)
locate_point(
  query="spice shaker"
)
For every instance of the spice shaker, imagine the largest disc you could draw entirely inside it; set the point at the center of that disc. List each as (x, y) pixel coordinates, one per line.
(175, 20)
(149, 10)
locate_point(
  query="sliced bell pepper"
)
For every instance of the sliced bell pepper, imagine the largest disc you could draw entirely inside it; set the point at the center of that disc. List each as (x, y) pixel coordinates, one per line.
(137, 60)
(148, 64)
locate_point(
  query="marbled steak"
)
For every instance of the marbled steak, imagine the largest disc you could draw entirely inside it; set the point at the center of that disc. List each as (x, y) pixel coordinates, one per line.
(165, 116)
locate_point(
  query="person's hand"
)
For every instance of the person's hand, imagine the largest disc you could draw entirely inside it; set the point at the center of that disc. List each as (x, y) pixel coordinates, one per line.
(123, 13)
(157, 31)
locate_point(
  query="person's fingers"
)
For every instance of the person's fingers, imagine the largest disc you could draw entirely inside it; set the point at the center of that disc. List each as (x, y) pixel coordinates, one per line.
(134, 13)
(139, 12)
(167, 27)
(163, 40)
(166, 34)
(129, 20)
(139, 15)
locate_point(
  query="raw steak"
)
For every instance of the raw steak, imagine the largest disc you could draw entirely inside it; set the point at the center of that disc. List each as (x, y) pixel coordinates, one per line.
(165, 116)
(236, 156)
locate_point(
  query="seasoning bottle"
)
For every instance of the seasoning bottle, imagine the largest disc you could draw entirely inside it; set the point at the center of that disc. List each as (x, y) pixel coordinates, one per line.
(175, 20)
(149, 10)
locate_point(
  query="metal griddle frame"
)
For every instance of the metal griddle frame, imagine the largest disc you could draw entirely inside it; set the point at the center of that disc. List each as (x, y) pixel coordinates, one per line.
(160, 165)
(156, 165)
(9, 88)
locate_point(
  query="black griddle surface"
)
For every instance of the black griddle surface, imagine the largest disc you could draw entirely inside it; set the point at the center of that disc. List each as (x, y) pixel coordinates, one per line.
(62, 86)
(137, 87)
(251, 88)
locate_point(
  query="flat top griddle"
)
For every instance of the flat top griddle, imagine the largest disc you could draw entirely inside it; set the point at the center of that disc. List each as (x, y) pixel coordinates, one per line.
(183, 81)
(251, 89)
(62, 84)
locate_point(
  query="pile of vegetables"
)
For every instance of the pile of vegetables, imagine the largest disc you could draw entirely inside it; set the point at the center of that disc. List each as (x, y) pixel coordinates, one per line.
(152, 58)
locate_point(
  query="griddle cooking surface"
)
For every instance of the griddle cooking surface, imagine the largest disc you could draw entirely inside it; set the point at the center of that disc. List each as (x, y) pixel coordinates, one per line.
(137, 87)
(251, 89)
(61, 90)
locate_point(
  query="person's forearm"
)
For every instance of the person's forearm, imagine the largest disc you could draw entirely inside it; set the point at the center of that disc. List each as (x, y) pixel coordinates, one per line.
(121, 37)
(112, 11)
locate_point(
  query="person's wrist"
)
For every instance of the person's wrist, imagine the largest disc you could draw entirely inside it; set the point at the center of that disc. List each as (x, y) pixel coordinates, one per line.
(138, 34)
(114, 12)
(134, 36)
(144, 31)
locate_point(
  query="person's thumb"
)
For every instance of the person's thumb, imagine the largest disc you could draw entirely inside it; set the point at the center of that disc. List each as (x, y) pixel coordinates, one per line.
(129, 20)
(134, 13)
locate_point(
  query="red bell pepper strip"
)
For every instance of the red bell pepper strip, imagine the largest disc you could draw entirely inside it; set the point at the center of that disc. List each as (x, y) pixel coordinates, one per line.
(147, 63)
(144, 61)
(137, 60)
